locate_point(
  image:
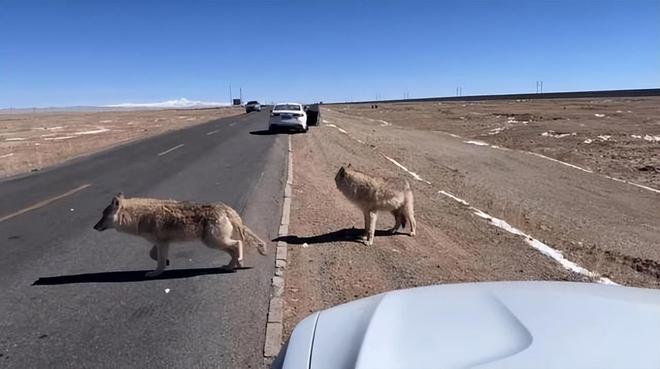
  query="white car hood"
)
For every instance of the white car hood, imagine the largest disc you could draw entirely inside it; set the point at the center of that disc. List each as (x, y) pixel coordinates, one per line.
(486, 325)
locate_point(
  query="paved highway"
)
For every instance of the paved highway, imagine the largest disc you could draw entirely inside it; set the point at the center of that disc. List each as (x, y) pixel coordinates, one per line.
(72, 297)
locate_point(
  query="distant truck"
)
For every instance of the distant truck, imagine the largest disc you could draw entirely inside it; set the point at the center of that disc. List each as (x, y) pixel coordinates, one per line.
(252, 106)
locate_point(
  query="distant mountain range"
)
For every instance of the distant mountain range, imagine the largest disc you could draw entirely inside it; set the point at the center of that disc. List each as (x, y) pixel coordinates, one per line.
(179, 103)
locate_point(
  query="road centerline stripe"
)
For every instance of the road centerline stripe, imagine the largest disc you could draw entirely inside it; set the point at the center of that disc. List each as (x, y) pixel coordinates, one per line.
(170, 150)
(43, 203)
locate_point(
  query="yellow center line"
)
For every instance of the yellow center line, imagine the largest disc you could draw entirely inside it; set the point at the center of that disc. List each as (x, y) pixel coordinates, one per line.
(43, 203)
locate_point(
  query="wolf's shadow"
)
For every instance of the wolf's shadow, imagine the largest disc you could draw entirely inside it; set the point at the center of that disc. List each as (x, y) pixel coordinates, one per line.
(342, 235)
(129, 276)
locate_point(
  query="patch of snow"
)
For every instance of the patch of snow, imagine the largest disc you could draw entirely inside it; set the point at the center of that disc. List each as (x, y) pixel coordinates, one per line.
(652, 138)
(55, 128)
(557, 135)
(478, 143)
(58, 138)
(384, 123)
(100, 130)
(15, 139)
(636, 136)
(106, 121)
(6, 155)
(588, 141)
(495, 131)
(605, 137)
(599, 115)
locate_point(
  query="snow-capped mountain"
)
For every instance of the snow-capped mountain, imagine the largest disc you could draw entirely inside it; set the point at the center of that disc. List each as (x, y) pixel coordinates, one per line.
(179, 103)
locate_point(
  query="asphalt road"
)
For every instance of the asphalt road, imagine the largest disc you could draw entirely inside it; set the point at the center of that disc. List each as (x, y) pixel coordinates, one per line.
(71, 297)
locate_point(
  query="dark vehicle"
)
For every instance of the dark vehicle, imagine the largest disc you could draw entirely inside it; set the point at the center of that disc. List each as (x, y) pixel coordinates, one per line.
(252, 106)
(313, 114)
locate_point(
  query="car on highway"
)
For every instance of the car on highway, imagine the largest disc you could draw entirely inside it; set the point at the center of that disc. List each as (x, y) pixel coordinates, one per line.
(252, 106)
(288, 116)
(485, 325)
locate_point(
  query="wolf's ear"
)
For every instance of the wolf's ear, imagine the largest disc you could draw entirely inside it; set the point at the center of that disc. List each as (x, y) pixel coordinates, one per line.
(120, 195)
(349, 165)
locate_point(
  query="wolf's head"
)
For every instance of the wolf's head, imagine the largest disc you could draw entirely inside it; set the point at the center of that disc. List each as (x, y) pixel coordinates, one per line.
(341, 173)
(110, 214)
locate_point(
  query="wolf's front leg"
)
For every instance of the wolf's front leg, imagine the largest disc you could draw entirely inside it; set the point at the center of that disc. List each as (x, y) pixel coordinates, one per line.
(163, 249)
(365, 235)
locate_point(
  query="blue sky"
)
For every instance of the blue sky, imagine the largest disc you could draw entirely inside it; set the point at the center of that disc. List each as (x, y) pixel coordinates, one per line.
(75, 52)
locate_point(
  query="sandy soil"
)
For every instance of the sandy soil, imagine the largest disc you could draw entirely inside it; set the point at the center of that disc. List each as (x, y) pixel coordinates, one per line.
(31, 141)
(605, 226)
(618, 137)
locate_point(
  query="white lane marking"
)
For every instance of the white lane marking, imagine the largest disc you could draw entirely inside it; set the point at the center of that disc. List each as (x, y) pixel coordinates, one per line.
(212, 132)
(634, 184)
(546, 250)
(6, 155)
(170, 150)
(232, 124)
(560, 162)
(413, 174)
(100, 130)
(43, 203)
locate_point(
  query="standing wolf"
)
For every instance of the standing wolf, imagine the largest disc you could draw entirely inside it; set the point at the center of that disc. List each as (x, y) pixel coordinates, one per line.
(372, 194)
(165, 221)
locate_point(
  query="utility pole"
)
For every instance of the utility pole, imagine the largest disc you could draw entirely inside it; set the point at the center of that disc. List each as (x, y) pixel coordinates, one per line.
(231, 97)
(240, 97)
(541, 86)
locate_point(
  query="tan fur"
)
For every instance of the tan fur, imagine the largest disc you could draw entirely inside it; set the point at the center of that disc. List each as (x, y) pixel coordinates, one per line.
(164, 221)
(373, 194)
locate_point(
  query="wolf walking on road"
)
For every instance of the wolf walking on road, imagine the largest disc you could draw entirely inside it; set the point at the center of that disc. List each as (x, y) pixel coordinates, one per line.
(373, 194)
(164, 221)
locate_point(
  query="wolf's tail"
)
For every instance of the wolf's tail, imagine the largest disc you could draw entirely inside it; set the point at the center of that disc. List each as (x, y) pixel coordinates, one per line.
(245, 234)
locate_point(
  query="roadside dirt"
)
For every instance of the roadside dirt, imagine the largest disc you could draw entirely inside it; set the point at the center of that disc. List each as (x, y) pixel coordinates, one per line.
(617, 137)
(327, 266)
(32, 141)
(608, 227)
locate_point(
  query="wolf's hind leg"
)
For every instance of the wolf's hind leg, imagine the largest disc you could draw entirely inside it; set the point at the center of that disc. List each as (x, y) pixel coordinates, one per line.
(162, 250)
(397, 220)
(373, 215)
(153, 254)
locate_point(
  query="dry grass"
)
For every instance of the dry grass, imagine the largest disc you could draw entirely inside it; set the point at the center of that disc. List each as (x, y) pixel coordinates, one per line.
(31, 141)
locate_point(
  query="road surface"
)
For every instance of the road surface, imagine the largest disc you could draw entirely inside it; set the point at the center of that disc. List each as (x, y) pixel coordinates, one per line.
(73, 297)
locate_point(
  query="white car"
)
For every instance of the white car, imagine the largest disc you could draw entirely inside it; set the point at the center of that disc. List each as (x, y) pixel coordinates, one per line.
(288, 116)
(503, 325)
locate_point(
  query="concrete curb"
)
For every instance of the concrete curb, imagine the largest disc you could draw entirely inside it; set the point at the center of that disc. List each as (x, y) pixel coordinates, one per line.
(274, 326)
